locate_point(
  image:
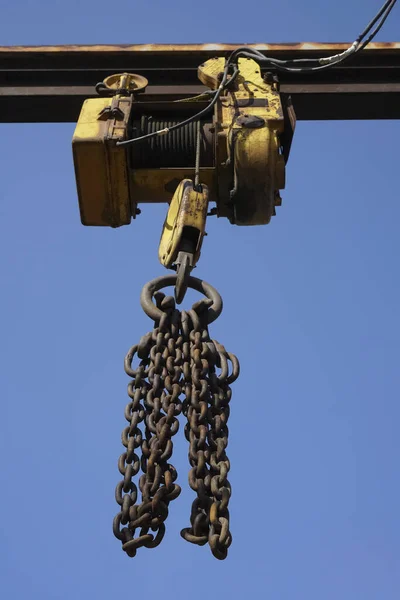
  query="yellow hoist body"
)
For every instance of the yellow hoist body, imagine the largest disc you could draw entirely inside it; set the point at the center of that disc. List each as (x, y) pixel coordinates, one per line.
(237, 153)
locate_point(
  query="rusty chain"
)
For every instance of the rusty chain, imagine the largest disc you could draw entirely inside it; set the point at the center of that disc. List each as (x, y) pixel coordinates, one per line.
(178, 359)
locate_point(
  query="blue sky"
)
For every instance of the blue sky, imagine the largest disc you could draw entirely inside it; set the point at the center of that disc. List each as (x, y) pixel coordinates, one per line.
(314, 424)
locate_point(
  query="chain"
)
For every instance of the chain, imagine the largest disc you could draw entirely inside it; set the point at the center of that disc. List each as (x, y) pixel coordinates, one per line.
(154, 399)
(177, 359)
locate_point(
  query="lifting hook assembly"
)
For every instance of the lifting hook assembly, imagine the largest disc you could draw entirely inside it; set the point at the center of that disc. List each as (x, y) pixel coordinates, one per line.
(228, 145)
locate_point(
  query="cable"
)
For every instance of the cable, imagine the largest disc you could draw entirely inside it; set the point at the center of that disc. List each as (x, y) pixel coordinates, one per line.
(379, 26)
(195, 117)
(322, 63)
(198, 154)
(315, 64)
(374, 20)
(199, 97)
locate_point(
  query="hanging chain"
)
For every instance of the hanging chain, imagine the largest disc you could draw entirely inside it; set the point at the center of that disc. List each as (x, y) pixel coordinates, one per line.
(176, 360)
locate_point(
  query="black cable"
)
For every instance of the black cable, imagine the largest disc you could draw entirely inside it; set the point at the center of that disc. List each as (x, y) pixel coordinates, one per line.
(374, 21)
(196, 117)
(281, 65)
(167, 130)
(284, 65)
(379, 26)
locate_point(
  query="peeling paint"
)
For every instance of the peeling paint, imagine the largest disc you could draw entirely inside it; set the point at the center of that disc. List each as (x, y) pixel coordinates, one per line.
(188, 48)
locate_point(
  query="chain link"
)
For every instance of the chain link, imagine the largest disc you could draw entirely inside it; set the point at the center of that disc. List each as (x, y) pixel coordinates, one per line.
(177, 359)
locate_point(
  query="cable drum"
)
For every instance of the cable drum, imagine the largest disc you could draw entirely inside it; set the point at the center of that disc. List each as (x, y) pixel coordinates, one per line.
(176, 149)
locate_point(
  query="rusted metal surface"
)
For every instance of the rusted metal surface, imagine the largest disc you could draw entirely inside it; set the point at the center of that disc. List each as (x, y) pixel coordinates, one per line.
(49, 84)
(190, 48)
(177, 359)
(328, 102)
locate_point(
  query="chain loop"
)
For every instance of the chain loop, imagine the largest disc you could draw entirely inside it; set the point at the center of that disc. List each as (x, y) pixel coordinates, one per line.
(156, 312)
(180, 370)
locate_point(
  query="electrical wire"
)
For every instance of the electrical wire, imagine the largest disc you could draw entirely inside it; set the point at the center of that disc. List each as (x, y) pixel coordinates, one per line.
(197, 98)
(322, 63)
(306, 65)
(196, 117)
(167, 130)
(375, 19)
(379, 26)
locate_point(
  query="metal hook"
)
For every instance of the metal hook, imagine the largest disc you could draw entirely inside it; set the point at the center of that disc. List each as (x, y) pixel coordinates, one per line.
(184, 268)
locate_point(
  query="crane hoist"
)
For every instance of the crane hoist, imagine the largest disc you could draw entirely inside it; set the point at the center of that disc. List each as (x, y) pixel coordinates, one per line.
(233, 154)
(228, 146)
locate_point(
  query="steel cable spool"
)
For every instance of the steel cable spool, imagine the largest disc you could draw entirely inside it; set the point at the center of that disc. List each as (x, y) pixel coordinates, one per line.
(177, 149)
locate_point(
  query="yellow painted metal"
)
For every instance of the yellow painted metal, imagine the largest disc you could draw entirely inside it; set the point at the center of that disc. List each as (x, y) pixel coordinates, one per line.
(131, 82)
(209, 72)
(250, 167)
(159, 185)
(186, 215)
(101, 167)
(248, 172)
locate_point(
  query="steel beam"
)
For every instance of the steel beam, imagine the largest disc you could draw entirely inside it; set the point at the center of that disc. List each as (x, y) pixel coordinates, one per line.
(50, 83)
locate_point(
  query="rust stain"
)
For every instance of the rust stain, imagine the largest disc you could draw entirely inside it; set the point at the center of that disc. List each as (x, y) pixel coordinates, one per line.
(188, 48)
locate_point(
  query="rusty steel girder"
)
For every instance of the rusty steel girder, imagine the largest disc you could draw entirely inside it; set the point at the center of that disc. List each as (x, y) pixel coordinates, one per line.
(50, 83)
